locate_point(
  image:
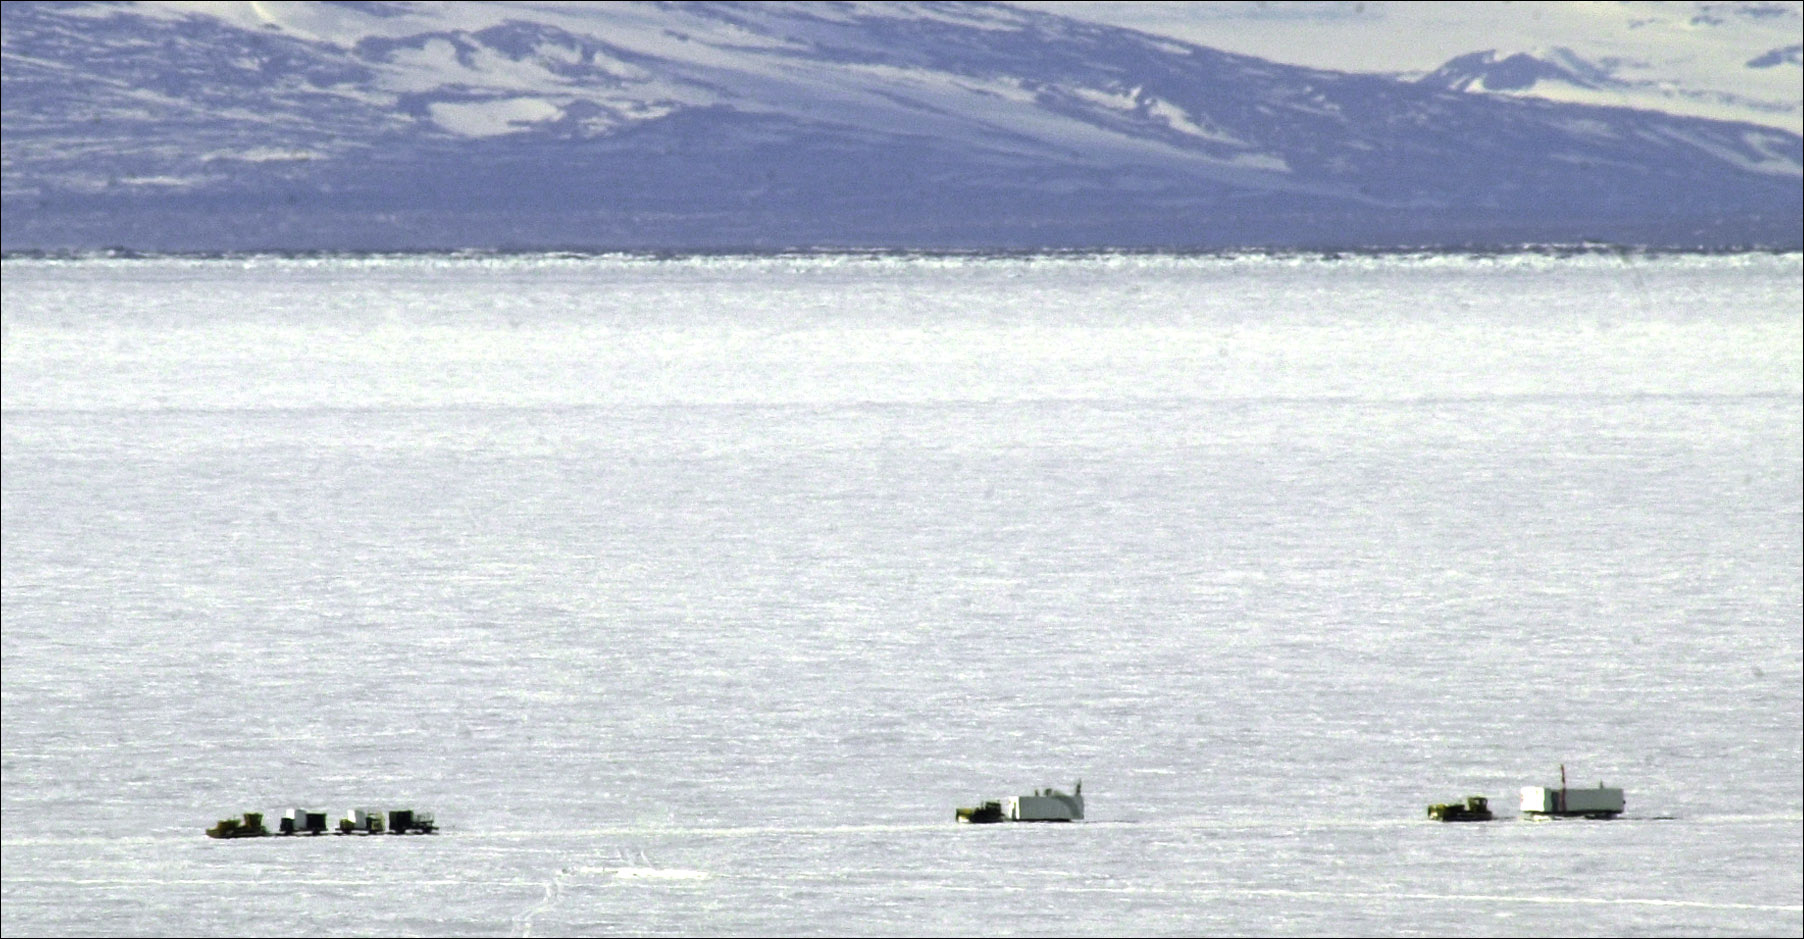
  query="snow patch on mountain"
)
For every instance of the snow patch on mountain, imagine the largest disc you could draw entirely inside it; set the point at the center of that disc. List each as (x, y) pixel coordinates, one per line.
(488, 118)
(1136, 102)
(264, 155)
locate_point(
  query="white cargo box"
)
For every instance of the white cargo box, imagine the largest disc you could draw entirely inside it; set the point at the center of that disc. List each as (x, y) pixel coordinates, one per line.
(1054, 807)
(1542, 800)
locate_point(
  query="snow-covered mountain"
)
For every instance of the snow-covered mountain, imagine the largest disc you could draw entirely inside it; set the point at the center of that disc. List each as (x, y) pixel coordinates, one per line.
(1728, 61)
(345, 126)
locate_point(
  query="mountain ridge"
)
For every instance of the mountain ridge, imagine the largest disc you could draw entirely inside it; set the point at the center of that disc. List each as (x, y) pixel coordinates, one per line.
(771, 126)
(1728, 61)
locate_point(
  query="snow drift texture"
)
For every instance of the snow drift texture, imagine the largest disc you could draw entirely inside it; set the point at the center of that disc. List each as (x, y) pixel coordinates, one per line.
(765, 126)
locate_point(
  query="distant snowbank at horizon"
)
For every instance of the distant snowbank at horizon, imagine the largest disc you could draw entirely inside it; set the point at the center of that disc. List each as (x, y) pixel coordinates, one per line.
(1529, 255)
(623, 332)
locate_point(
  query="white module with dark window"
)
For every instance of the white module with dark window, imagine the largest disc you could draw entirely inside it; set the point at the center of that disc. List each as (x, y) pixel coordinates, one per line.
(1048, 806)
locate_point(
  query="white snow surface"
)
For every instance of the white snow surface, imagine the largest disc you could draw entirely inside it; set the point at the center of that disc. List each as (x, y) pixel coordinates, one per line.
(693, 594)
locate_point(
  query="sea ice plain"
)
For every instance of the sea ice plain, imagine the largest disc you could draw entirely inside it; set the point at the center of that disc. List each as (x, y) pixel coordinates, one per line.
(693, 593)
